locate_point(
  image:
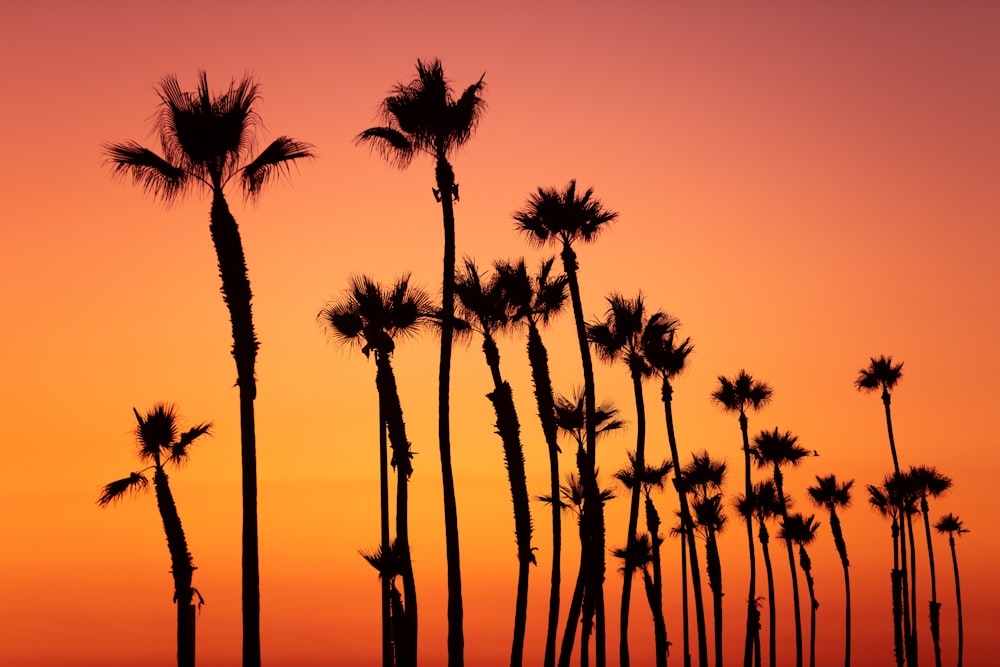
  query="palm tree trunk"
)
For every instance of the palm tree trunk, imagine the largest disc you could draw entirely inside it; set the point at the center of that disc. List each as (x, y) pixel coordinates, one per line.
(886, 401)
(633, 517)
(181, 567)
(958, 597)
(897, 597)
(656, 602)
(715, 583)
(383, 483)
(838, 540)
(913, 587)
(753, 625)
(684, 599)
(765, 538)
(796, 605)
(538, 359)
(573, 617)
(237, 296)
(445, 178)
(813, 604)
(935, 606)
(911, 658)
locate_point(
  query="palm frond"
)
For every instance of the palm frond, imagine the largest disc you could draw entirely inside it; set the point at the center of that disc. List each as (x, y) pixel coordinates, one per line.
(274, 161)
(154, 174)
(178, 451)
(115, 490)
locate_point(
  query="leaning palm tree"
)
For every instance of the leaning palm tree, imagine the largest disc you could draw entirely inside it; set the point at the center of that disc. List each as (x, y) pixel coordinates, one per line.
(773, 449)
(482, 303)
(371, 317)
(952, 525)
(831, 494)
(423, 116)
(618, 338)
(882, 499)
(532, 301)
(160, 444)
(802, 530)
(668, 355)
(564, 218)
(929, 483)
(882, 374)
(206, 141)
(737, 396)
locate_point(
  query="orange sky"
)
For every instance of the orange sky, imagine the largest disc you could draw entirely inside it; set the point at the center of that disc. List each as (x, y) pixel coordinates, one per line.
(803, 187)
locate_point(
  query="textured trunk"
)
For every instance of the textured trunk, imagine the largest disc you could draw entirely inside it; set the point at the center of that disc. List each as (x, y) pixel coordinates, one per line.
(796, 605)
(753, 617)
(237, 296)
(180, 567)
(445, 177)
(576, 603)
(656, 601)
(958, 598)
(813, 605)
(935, 606)
(633, 518)
(772, 642)
(897, 598)
(715, 583)
(913, 587)
(686, 625)
(383, 487)
(904, 573)
(838, 540)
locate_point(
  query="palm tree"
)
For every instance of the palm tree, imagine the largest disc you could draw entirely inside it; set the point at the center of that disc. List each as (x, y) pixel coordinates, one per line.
(802, 530)
(205, 142)
(930, 483)
(736, 396)
(668, 357)
(372, 317)
(532, 300)
(764, 504)
(389, 564)
(952, 525)
(831, 494)
(618, 338)
(483, 302)
(882, 374)
(883, 500)
(564, 218)
(704, 477)
(905, 490)
(775, 449)
(161, 443)
(423, 116)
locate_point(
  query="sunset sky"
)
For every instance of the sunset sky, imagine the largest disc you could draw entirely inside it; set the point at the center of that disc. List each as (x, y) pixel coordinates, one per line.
(803, 186)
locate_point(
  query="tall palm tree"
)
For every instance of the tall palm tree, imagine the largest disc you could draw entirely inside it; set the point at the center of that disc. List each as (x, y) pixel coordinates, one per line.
(423, 116)
(882, 499)
(160, 444)
(905, 494)
(483, 304)
(929, 483)
(883, 374)
(372, 317)
(206, 141)
(952, 525)
(802, 530)
(704, 477)
(774, 449)
(532, 301)
(764, 504)
(831, 494)
(618, 338)
(737, 396)
(564, 217)
(668, 355)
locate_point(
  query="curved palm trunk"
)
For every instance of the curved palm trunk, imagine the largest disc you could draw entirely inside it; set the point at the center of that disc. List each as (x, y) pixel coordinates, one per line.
(237, 296)
(383, 486)
(181, 567)
(796, 605)
(753, 616)
(445, 178)
(633, 518)
(687, 524)
(813, 604)
(887, 400)
(838, 540)
(958, 597)
(935, 606)
(538, 359)
(655, 594)
(406, 632)
(765, 539)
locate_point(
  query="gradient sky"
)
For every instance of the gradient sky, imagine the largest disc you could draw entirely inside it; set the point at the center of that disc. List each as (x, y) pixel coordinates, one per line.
(804, 187)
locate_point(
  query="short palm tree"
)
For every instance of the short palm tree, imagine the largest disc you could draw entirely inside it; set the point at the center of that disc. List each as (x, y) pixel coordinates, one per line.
(883, 374)
(802, 530)
(831, 494)
(206, 141)
(929, 483)
(161, 443)
(882, 499)
(424, 116)
(564, 217)
(952, 525)
(482, 303)
(531, 301)
(737, 396)
(371, 317)
(773, 449)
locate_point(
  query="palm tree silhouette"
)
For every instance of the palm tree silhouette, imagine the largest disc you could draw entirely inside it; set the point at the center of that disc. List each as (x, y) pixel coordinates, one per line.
(371, 317)
(952, 525)
(532, 300)
(564, 218)
(905, 493)
(483, 303)
(831, 494)
(775, 449)
(618, 338)
(704, 477)
(928, 482)
(389, 564)
(205, 141)
(736, 396)
(668, 357)
(802, 530)
(883, 500)
(882, 374)
(160, 444)
(423, 116)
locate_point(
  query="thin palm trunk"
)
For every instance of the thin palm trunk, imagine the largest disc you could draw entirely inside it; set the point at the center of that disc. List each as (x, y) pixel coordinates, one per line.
(383, 483)
(765, 538)
(656, 601)
(633, 517)
(838, 539)
(181, 568)
(715, 583)
(897, 597)
(684, 599)
(958, 598)
(913, 587)
(904, 581)
(935, 606)
(237, 296)
(796, 605)
(887, 400)
(753, 616)
(813, 604)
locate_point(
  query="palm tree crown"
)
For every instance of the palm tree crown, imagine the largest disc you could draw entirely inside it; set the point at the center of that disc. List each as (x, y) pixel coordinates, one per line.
(565, 216)
(881, 373)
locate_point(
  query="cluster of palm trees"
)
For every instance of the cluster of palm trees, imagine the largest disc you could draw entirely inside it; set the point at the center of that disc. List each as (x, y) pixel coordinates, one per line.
(206, 139)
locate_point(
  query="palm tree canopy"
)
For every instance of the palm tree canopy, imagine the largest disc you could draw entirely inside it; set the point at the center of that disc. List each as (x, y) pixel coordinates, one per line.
(537, 297)
(828, 492)
(881, 373)
(949, 523)
(704, 473)
(649, 476)
(709, 512)
(799, 529)
(481, 298)
(563, 216)
(571, 416)
(741, 393)
(207, 139)
(158, 434)
(772, 448)
(659, 346)
(928, 481)
(423, 116)
(372, 316)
